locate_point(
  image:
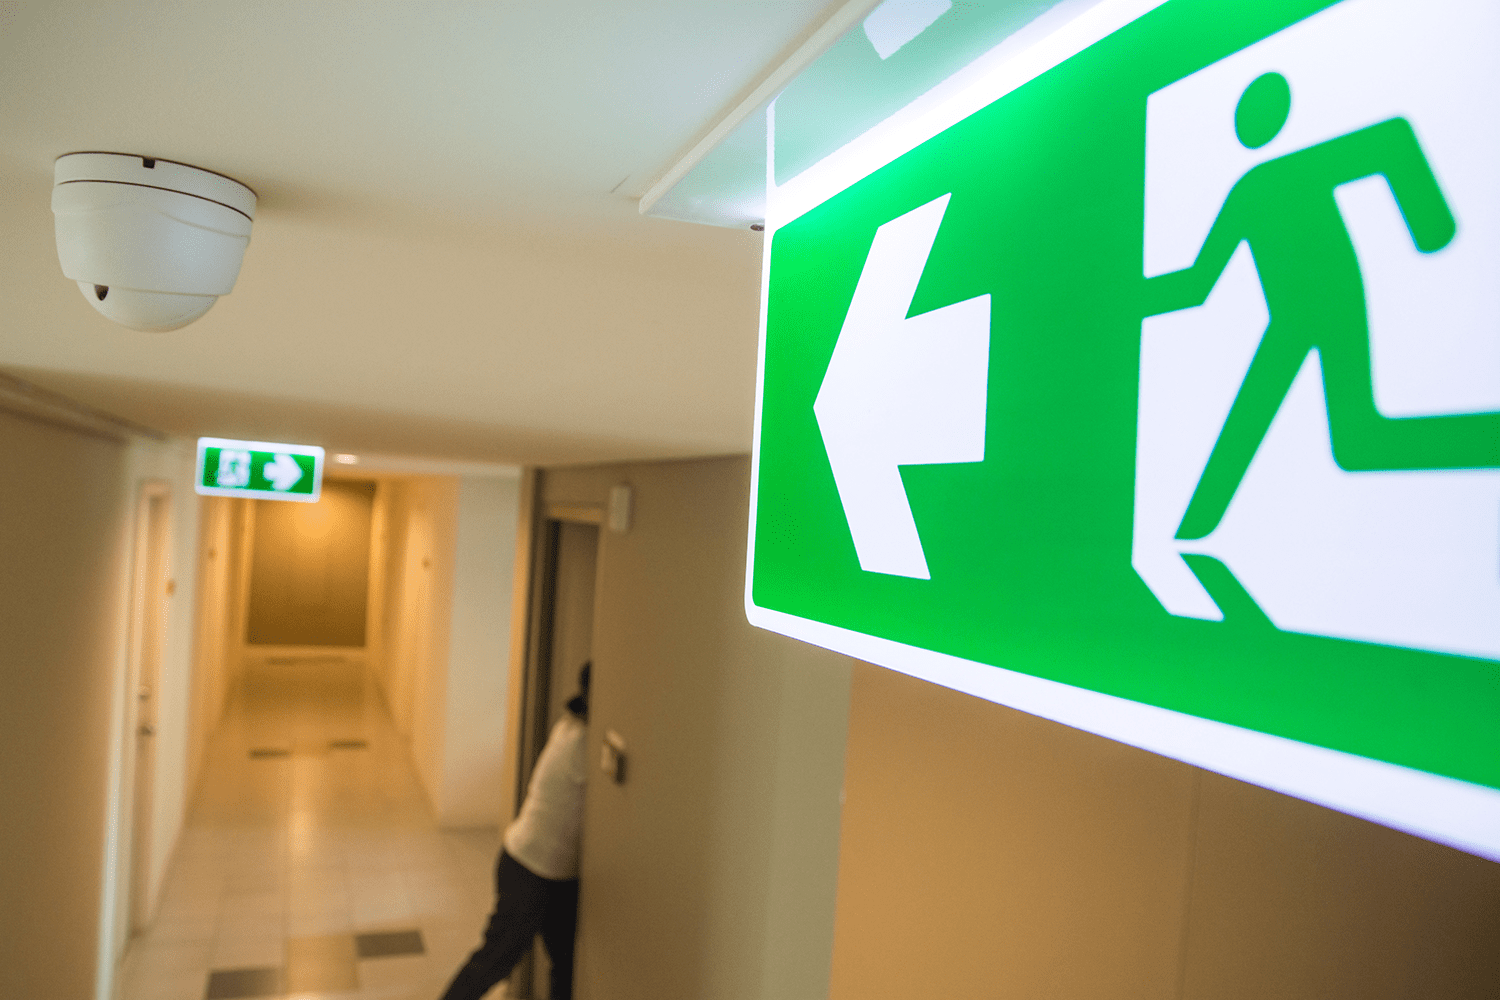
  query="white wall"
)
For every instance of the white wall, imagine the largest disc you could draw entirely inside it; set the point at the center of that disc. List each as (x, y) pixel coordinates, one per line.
(446, 558)
(473, 744)
(417, 515)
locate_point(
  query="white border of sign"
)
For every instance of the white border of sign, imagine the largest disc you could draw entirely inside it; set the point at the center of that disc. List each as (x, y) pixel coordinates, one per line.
(1457, 813)
(286, 449)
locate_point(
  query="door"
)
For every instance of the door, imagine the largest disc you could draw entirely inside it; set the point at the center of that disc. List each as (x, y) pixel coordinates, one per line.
(152, 587)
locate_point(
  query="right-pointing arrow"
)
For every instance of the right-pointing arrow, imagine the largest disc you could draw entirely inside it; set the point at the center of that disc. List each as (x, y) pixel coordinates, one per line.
(901, 391)
(283, 472)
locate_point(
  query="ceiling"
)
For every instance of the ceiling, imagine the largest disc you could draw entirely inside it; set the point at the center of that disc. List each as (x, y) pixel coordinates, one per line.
(447, 258)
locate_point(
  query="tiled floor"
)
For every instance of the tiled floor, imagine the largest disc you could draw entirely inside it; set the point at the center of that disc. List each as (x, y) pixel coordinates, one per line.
(316, 873)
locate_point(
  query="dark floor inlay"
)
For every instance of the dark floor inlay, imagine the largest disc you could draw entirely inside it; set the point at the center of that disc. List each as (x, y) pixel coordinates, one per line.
(270, 752)
(228, 984)
(348, 744)
(389, 943)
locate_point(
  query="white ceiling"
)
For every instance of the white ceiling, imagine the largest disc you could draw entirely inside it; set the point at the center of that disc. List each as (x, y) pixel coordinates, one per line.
(447, 258)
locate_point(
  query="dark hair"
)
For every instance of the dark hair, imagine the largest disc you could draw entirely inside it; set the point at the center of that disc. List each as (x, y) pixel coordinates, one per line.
(579, 703)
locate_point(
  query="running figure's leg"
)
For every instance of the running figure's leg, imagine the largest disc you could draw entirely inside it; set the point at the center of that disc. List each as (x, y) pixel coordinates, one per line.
(1365, 440)
(1270, 375)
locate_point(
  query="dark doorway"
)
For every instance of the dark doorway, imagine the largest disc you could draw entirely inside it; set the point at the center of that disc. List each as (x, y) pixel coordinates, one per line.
(564, 578)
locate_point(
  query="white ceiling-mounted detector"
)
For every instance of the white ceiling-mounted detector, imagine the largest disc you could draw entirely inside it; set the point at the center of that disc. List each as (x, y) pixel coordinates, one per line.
(151, 243)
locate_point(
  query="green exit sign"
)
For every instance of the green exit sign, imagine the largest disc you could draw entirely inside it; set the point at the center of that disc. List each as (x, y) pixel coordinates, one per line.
(259, 469)
(1146, 379)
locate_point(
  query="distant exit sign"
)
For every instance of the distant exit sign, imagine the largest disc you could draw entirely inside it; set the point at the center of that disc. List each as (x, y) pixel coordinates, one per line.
(259, 469)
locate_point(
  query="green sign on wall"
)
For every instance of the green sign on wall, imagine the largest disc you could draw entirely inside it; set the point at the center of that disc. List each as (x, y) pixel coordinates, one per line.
(1149, 380)
(259, 469)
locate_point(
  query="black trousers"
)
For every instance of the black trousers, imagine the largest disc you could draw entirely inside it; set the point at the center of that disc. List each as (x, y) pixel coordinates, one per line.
(525, 905)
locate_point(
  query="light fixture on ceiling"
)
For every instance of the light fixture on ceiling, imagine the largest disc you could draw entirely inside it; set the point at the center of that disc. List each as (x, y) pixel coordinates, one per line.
(346, 459)
(151, 243)
(896, 22)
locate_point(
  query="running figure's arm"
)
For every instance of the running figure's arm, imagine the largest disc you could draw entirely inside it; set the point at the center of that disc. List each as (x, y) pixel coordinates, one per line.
(1392, 149)
(1190, 286)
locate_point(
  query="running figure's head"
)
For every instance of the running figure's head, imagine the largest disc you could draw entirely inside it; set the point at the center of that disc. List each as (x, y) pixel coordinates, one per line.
(1262, 110)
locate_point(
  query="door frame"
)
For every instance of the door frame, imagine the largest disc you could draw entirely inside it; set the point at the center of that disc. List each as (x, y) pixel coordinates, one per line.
(151, 586)
(536, 675)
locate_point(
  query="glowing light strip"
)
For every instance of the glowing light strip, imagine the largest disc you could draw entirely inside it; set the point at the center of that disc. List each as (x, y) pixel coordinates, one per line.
(981, 83)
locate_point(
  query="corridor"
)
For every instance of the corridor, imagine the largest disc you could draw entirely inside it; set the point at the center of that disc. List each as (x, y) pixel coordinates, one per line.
(310, 865)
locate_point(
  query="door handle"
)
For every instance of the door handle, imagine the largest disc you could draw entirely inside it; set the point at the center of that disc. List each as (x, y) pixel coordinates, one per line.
(147, 729)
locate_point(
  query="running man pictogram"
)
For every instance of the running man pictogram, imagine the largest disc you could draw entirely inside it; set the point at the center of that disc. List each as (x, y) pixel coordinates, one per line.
(1286, 211)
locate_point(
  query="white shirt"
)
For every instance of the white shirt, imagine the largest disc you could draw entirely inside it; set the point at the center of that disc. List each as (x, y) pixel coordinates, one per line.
(545, 836)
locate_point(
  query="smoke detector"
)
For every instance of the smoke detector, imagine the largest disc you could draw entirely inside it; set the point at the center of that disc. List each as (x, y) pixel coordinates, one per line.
(151, 243)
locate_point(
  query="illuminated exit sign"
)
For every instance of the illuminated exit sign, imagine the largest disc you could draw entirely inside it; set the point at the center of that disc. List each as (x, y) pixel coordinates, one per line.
(1148, 380)
(259, 469)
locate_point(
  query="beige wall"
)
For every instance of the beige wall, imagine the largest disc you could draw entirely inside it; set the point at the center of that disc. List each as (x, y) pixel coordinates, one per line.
(419, 515)
(310, 571)
(62, 546)
(475, 688)
(711, 872)
(988, 853)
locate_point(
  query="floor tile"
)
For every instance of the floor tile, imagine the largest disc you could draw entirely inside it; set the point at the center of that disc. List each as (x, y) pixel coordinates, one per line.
(183, 930)
(399, 970)
(230, 984)
(321, 963)
(449, 945)
(236, 951)
(383, 943)
(257, 903)
(164, 985)
(173, 956)
(314, 922)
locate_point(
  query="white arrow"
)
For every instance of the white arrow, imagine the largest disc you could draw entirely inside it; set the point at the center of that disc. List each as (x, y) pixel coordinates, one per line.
(901, 391)
(283, 473)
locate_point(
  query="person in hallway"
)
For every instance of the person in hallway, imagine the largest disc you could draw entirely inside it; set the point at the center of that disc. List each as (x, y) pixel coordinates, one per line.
(536, 878)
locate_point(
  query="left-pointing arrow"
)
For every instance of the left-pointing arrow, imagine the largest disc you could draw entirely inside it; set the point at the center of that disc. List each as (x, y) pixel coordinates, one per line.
(283, 472)
(901, 391)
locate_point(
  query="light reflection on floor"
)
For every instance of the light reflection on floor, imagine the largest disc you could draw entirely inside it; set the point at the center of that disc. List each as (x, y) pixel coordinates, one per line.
(287, 857)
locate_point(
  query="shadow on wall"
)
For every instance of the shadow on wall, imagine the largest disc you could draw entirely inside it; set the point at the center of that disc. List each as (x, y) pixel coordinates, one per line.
(1006, 849)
